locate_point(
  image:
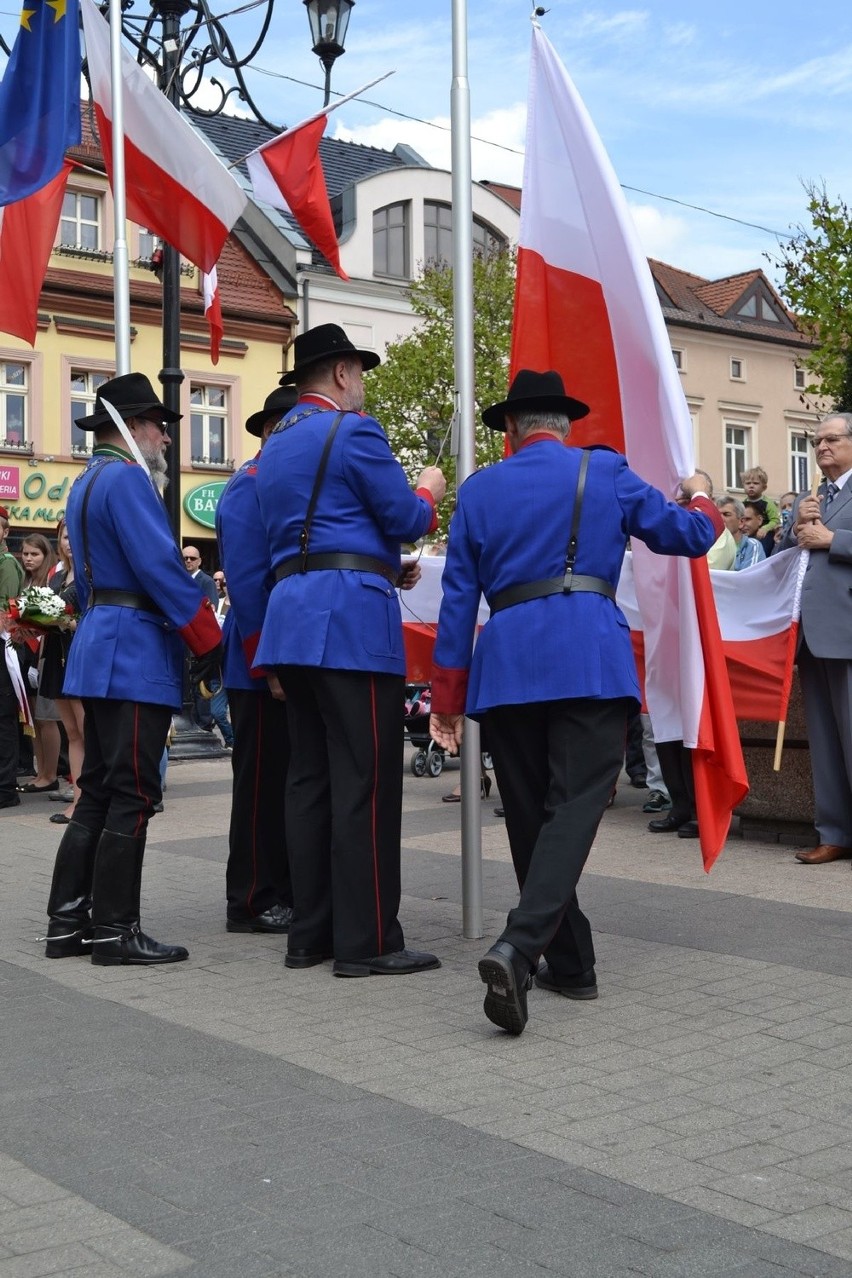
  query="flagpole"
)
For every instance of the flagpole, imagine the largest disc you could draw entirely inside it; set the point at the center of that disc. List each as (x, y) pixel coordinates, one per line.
(471, 769)
(120, 259)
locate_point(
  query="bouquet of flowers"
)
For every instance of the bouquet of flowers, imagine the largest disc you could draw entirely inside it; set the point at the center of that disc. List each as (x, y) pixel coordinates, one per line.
(35, 611)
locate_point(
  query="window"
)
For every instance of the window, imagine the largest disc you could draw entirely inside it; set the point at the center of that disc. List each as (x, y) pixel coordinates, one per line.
(679, 357)
(800, 378)
(737, 369)
(800, 464)
(737, 448)
(438, 234)
(14, 386)
(390, 241)
(83, 388)
(80, 223)
(208, 423)
(758, 306)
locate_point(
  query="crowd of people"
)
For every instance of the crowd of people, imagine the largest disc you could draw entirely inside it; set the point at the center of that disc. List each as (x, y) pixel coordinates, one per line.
(297, 656)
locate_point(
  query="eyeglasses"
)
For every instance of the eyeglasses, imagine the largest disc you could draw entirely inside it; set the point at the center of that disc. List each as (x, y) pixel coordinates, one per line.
(192, 559)
(828, 439)
(155, 421)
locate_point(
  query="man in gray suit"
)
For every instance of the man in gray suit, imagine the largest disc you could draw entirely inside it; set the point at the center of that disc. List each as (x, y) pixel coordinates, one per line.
(823, 525)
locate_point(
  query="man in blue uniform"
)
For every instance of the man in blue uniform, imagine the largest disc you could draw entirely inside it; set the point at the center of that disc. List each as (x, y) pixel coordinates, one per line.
(542, 535)
(139, 606)
(258, 876)
(336, 505)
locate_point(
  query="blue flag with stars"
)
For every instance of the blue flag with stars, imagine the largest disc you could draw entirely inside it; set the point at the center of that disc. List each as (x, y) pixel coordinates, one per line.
(39, 98)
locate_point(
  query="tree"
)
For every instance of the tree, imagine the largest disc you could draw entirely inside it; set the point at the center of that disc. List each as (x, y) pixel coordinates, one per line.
(411, 393)
(817, 266)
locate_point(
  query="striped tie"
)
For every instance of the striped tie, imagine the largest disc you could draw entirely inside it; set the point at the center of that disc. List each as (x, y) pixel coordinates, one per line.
(830, 494)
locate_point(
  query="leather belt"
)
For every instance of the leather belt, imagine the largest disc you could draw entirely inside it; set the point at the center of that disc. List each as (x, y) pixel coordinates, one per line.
(122, 599)
(335, 560)
(565, 585)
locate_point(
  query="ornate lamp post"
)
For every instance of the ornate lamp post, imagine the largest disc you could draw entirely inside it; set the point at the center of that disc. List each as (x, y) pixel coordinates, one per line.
(329, 20)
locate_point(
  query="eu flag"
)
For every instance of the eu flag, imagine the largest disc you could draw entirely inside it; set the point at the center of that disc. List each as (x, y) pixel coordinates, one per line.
(39, 98)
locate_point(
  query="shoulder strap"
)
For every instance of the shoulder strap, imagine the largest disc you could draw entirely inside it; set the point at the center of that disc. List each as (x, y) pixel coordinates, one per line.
(84, 523)
(305, 534)
(571, 552)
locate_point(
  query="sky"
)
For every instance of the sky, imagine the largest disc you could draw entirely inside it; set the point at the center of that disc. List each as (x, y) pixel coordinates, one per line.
(726, 106)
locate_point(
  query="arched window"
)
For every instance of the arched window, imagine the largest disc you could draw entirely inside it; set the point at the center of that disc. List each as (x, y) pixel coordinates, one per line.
(391, 254)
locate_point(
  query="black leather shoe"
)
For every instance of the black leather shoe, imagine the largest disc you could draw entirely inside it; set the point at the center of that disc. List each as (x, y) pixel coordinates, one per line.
(117, 947)
(582, 986)
(688, 831)
(398, 963)
(668, 824)
(276, 919)
(657, 802)
(508, 975)
(501, 812)
(304, 958)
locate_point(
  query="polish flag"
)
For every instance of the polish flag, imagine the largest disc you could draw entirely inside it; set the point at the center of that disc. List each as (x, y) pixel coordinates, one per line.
(585, 304)
(758, 612)
(27, 233)
(213, 311)
(176, 186)
(287, 173)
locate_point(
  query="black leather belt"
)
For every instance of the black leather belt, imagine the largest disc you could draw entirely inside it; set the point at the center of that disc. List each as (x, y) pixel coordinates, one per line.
(122, 599)
(324, 563)
(565, 585)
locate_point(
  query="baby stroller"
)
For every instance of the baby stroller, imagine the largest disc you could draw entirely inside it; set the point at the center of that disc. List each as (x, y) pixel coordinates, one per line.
(428, 756)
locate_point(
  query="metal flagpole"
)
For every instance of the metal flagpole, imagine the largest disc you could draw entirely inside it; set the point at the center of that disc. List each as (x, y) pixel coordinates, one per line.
(120, 260)
(471, 769)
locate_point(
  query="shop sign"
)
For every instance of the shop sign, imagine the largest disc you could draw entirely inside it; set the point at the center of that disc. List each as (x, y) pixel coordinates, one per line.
(200, 503)
(36, 500)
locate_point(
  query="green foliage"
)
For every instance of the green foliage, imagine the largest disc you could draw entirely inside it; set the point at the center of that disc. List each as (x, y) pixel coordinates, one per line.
(817, 266)
(411, 393)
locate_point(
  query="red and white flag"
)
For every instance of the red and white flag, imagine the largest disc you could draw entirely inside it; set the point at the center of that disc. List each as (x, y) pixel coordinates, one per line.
(287, 173)
(585, 305)
(27, 232)
(758, 612)
(176, 186)
(213, 311)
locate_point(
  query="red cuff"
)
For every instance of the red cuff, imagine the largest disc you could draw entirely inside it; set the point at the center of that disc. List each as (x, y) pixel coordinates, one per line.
(707, 506)
(202, 634)
(449, 690)
(427, 496)
(250, 646)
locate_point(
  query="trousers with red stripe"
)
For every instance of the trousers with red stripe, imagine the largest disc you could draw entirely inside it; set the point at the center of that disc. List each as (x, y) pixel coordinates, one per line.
(123, 744)
(344, 810)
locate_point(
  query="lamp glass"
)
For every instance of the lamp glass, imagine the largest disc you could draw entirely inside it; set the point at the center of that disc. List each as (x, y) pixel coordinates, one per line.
(329, 20)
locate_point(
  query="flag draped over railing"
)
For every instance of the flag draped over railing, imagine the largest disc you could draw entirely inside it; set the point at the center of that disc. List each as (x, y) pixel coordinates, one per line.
(586, 305)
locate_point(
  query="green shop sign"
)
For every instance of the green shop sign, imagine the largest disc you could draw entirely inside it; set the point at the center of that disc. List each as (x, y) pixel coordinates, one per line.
(200, 503)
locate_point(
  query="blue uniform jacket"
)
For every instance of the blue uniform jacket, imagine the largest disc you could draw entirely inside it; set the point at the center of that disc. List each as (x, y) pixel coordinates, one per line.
(342, 620)
(244, 556)
(511, 526)
(122, 653)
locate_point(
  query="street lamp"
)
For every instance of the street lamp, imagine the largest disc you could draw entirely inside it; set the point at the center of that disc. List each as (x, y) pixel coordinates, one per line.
(329, 20)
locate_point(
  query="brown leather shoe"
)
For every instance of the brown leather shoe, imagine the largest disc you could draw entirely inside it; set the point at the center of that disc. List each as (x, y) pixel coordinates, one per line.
(824, 853)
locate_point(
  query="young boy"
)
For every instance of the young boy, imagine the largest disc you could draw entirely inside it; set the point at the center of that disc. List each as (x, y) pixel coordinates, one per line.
(755, 482)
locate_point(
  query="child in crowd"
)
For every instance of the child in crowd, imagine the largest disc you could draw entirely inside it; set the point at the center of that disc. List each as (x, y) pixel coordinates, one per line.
(755, 482)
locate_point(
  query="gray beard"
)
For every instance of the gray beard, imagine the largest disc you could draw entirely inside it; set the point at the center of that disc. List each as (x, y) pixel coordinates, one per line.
(157, 466)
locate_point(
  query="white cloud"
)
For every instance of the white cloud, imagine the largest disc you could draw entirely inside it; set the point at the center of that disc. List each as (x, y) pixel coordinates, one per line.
(662, 235)
(624, 25)
(680, 34)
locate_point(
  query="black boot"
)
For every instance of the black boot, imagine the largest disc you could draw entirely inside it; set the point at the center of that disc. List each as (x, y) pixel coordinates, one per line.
(118, 938)
(69, 932)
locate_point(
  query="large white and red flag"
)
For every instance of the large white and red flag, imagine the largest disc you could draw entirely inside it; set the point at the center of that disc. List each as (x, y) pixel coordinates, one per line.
(176, 186)
(585, 305)
(27, 231)
(287, 173)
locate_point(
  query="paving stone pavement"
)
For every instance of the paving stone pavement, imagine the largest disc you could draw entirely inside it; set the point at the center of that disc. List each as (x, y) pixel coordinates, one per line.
(226, 1117)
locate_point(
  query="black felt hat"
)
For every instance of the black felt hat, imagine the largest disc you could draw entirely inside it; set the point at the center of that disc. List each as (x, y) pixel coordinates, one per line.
(131, 395)
(530, 390)
(326, 341)
(280, 401)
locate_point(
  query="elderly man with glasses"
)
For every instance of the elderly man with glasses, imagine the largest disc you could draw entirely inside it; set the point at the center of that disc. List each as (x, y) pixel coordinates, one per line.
(823, 525)
(126, 663)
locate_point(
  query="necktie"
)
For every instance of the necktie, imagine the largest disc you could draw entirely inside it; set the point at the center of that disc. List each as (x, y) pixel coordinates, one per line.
(830, 494)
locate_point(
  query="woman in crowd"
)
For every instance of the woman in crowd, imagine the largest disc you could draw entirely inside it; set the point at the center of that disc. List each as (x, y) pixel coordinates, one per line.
(55, 654)
(38, 558)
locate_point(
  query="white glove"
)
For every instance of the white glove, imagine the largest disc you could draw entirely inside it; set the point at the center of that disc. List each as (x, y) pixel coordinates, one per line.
(32, 678)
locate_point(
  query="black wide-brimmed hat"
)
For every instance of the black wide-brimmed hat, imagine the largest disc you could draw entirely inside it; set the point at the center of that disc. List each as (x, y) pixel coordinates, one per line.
(530, 390)
(280, 402)
(131, 395)
(326, 341)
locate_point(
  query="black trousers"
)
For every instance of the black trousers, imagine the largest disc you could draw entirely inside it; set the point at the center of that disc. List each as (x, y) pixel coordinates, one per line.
(556, 763)
(123, 742)
(344, 810)
(258, 875)
(676, 767)
(8, 735)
